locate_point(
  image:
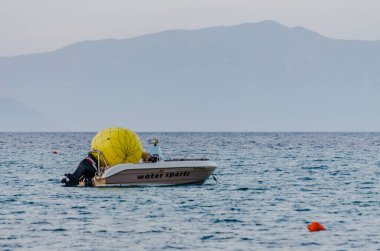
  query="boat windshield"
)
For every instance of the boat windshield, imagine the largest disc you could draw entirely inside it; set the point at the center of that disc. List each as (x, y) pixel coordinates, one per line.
(156, 150)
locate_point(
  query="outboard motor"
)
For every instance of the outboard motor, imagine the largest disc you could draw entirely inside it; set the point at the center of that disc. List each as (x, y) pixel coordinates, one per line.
(155, 151)
(85, 172)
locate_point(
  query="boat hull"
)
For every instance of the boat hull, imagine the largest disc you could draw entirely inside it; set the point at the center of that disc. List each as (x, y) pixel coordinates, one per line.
(159, 173)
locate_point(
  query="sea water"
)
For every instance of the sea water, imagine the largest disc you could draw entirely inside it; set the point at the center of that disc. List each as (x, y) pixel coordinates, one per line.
(271, 186)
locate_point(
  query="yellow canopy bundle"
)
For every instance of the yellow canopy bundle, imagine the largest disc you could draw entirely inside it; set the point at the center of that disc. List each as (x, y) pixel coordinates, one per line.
(118, 145)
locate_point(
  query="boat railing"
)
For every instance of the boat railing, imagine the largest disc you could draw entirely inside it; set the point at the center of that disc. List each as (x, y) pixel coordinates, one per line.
(101, 169)
(186, 159)
(195, 157)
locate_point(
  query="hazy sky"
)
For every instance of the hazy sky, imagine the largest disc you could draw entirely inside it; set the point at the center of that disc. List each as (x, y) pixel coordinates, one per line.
(28, 26)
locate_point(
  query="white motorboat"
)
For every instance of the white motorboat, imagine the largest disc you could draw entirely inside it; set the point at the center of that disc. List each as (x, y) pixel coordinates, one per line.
(156, 171)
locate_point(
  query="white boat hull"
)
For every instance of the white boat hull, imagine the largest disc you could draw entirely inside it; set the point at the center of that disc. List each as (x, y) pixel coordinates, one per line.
(159, 173)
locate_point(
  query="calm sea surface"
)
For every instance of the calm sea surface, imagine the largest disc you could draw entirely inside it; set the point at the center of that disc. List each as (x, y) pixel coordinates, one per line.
(271, 186)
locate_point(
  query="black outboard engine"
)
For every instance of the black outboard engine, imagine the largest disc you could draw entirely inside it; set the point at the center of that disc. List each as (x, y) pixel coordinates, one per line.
(85, 171)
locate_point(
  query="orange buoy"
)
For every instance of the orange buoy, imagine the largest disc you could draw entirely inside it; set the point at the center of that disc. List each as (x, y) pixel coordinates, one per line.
(55, 152)
(315, 226)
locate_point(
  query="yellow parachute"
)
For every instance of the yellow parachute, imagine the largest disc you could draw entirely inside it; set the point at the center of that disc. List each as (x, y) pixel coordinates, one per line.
(118, 145)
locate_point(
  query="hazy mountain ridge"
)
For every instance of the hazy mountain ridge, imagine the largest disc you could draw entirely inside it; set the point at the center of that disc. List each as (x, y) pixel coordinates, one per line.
(16, 116)
(278, 78)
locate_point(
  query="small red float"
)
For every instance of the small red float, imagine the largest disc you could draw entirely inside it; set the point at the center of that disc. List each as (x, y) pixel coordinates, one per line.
(315, 226)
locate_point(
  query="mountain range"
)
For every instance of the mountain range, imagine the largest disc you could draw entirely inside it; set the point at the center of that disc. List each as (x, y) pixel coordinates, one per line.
(249, 77)
(16, 117)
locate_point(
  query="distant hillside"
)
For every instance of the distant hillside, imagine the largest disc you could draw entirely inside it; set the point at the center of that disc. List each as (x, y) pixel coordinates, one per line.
(16, 116)
(251, 77)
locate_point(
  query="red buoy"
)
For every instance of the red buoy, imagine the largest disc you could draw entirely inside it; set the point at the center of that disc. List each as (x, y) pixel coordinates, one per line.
(55, 152)
(315, 226)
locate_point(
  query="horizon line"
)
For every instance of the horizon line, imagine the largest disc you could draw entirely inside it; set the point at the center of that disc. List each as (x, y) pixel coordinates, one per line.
(198, 131)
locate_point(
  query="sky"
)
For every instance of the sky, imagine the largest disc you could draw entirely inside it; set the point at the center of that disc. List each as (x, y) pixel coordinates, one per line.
(43, 25)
